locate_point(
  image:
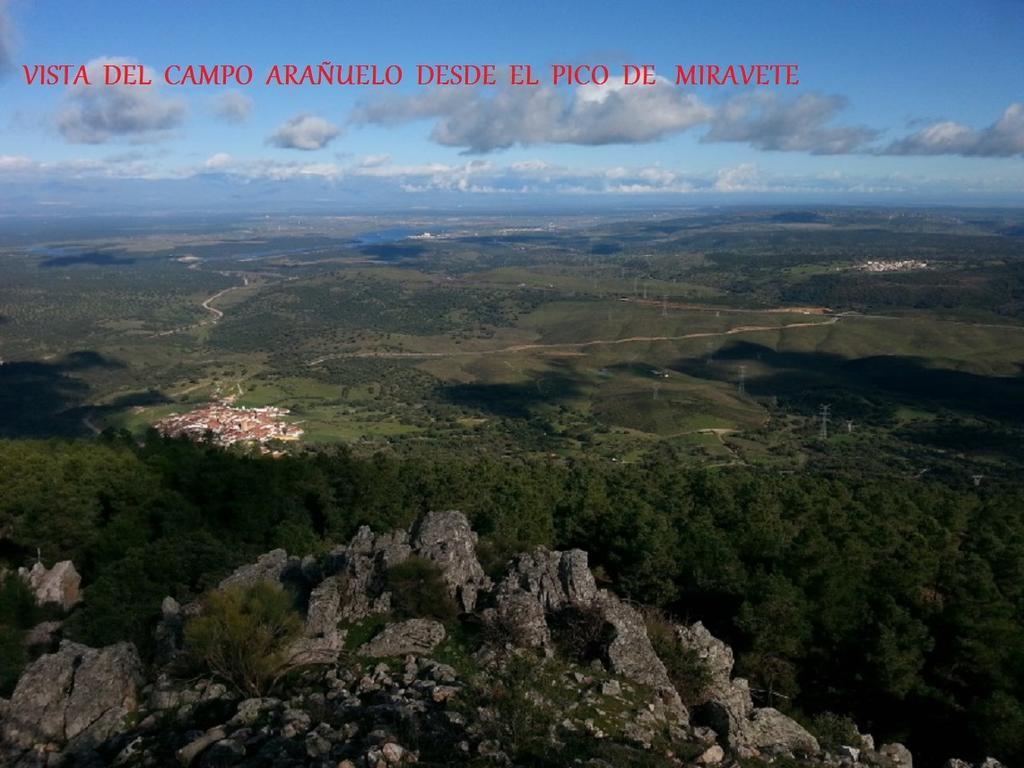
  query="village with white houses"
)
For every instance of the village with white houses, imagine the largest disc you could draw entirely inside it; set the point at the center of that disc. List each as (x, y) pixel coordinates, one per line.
(227, 424)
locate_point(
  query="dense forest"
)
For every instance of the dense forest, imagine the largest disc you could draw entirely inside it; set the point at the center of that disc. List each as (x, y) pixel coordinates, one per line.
(899, 603)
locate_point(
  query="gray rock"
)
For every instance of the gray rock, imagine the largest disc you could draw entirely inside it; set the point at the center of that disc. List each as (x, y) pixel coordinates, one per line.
(716, 655)
(713, 755)
(630, 653)
(392, 753)
(851, 752)
(78, 696)
(169, 631)
(955, 763)
(897, 755)
(543, 582)
(991, 762)
(356, 586)
(268, 567)
(611, 688)
(728, 708)
(415, 636)
(554, 579)
(446, 539)
(191, 751)
(771, 731)
(59, 585)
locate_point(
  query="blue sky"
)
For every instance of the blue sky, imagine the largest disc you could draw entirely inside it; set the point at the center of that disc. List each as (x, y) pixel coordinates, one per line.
(898, 102)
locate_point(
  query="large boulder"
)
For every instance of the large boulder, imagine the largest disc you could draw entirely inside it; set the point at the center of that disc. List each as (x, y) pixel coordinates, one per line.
(414, 636)
(896, 755)
(59, 585)
(78, 696)
(446, 539)
(771, 731)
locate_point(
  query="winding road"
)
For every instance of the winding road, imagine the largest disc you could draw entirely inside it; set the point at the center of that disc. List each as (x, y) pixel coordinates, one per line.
(574, 344)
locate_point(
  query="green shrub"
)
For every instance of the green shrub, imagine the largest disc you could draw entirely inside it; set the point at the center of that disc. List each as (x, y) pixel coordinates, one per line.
(580, 634)
(517, 692)
(834, 731)
(418, 591)
(689, 673)
(12, 658)
(243, 636)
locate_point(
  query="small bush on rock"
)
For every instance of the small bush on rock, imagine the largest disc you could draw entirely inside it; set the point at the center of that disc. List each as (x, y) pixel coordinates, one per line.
(243, 636)
(418, 591)
(580, 633)
(834, 731)
(689, 674)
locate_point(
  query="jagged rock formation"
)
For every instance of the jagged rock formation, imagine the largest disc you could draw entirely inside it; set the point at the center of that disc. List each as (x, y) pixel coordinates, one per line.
(542, 583)
(356, 707)
(729, 709)
(59, 585)
(73, 699)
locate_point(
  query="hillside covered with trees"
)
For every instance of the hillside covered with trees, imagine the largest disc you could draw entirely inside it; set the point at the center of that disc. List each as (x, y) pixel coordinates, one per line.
(898, 603)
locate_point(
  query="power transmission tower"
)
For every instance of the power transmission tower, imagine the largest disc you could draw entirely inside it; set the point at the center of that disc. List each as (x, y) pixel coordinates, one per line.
(742, 386)
(664, 306)
(655, 395)
(849, 426)
(977, 479)
(823, 432)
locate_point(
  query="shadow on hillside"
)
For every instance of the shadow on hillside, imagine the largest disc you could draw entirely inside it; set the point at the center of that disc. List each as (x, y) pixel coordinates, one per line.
(808, 379)
(515, 401)
(393, 252)
(93, 259)
(44, 399)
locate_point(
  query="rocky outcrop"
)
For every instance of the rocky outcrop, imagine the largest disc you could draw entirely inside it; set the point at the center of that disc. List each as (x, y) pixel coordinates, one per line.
(414, 636)
(446, 539)
(59, 585)
(581, 656)
(356, 583)
(728, 708)
(78, 697)
(541, 584)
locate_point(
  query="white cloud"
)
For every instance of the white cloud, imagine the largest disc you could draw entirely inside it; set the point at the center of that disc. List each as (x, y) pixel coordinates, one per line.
(97, 113)
(219, 161)
(305, 132)
(233, 106)
(766, 122)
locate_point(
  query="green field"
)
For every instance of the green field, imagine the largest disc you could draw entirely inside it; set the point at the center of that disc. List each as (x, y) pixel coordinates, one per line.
(720, 336)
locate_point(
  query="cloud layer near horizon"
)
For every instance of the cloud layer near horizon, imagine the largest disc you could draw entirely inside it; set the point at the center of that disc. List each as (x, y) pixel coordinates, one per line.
(479, 122)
